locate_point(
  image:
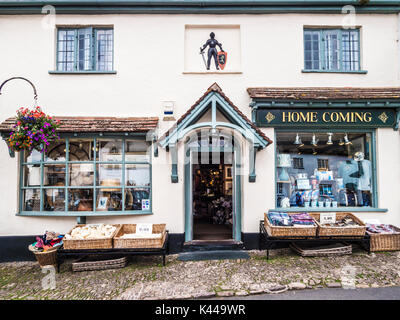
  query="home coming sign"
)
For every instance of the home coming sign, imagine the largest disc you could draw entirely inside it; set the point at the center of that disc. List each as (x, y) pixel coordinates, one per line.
(323, 117)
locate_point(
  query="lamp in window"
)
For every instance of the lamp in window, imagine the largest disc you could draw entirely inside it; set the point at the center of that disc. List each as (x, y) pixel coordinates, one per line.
(298, 142)
(329, 142)
(314, 152)
(341, 142)
(314, 140)
(284, 163)
(346, 140)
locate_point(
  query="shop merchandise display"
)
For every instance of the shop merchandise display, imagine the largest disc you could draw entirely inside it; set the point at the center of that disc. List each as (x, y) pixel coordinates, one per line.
(99, 231)
(324, 175)
(222, 211)
(47, 241)
(284, 219)
(346, 222)
(381, 228)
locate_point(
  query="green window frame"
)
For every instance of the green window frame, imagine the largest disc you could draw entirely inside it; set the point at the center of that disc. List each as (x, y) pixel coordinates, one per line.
(332, 50)
(375, 204)
(86, 49)
(42, 189)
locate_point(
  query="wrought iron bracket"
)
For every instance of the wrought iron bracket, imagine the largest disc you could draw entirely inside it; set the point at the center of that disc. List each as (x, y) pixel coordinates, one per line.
(35, 95)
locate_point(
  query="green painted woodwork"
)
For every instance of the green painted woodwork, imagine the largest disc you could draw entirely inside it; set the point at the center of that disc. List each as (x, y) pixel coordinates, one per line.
(375, 199)
(94, 187)
(367, 118)
(236, 194)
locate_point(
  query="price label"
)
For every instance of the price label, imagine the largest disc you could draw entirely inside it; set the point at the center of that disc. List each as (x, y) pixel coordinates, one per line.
(327, 217)
(144, 228)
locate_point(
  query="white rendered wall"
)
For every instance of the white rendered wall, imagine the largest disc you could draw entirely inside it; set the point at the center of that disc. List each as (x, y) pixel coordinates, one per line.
(149, 60)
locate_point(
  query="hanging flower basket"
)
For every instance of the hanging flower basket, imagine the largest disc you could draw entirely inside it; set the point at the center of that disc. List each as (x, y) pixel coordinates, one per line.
(33, 130)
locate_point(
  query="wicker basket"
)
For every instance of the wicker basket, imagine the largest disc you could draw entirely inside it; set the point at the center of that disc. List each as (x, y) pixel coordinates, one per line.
(356, 231)
(279, 231)
(336, 249)
(105, 243)
(385, 242)
(46, 258)
(89, 264)
(142, 242)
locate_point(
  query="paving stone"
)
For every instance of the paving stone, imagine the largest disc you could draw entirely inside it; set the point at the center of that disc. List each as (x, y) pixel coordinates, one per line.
(277, 288)
(362, 286)
(334, 285)
(297, 286)
(241, 293)
(225, 293)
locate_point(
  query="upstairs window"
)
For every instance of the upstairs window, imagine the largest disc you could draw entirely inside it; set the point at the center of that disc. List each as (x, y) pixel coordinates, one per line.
(85, 49)
(332, 50)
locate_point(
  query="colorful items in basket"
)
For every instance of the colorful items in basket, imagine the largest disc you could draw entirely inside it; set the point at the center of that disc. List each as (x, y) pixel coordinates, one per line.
(346, 222)
(94, 231)
(283, 219)
(49, 240)
(381, 228)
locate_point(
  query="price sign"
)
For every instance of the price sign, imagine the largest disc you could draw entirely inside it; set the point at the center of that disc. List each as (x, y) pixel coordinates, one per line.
(144, 228)
(327, 217)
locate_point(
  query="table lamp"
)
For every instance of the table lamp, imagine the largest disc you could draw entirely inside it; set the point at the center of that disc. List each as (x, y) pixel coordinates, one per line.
(284, 162)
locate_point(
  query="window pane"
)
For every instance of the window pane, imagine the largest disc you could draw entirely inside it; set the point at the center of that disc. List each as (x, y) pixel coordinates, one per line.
(80, 200)
(105, 50)
(31, 200)
(66, 50)
(56, 151)
(137, 150)
(109, 175)
(54, 200)
(137, 175)
(311, 50)
(331, 175)
(332, 50)
(81, 149)
(54, 174)
(350, 48)
(84, 49)
(31, 175)
(34, 156)
(134, 198)
(81, 174)
(109, 199)
(109, 150)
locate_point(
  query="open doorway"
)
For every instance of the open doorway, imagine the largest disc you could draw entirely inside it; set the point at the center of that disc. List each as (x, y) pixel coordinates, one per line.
(213, 181)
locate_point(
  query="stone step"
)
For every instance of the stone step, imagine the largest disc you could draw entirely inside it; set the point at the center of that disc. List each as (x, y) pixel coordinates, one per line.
(213, 255)
(211, 245)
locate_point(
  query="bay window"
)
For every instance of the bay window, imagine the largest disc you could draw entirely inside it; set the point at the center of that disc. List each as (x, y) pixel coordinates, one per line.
(337, 170)
(88, 175)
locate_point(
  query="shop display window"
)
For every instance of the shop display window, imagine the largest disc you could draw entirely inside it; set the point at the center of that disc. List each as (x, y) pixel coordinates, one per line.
(324, 170)
(87, 175)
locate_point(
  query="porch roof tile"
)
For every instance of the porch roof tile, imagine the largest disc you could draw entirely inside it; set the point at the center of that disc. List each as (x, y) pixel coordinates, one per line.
(96, 124)
(325, 93)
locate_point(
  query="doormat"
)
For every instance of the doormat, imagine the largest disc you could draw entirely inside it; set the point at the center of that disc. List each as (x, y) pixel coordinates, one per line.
(213, 255)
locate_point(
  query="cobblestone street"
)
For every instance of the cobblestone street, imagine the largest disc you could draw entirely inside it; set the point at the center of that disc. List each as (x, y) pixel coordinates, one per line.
(145, 278)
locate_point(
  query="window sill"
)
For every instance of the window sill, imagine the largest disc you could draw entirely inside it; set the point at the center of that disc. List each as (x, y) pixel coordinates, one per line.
(82, 72)
(332, 71)
(82, 213)
(338, 209)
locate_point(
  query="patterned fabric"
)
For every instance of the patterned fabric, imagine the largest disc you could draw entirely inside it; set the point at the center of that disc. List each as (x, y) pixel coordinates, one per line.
(380, 228)
(279, 218)
(302, 219)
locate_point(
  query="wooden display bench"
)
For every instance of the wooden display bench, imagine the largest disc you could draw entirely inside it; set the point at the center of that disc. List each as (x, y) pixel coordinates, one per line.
(267, 242)
(62, 253)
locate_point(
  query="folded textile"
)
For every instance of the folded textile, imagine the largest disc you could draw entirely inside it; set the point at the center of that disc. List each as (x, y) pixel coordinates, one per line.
(381, 228)
(279, 218)
(49, 240)
(302, 219)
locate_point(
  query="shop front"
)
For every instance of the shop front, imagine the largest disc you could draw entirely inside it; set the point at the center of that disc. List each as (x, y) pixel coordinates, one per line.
(330, 154)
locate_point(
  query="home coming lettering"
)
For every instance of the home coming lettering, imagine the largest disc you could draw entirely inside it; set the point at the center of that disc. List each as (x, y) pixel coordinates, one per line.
(334, 117)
